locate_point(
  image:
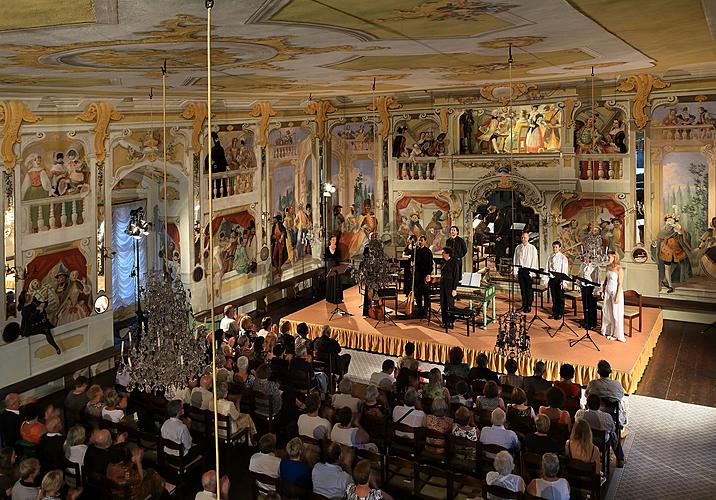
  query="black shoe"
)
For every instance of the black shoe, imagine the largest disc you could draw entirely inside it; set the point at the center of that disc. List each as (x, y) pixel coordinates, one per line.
(558, 317)
(528, 310)
(58, 351)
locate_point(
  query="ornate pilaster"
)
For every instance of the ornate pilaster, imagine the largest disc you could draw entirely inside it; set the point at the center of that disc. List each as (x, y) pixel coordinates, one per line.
(642, 84)
(13, 113)
(263, 111)
(382, 104)
(320, 109)
(198, 112)
(101, 113)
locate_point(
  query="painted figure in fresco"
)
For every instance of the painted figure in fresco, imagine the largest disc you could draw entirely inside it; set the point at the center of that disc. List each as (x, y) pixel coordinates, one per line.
(488, 131)
(369, 224)
(233, 154)
(569, 236)
(230, 246)
(75, 171)
(399, 142)
(684, 117)
(247, 158)
(36, 183)
(35, 322)
(670, 119)
(242, 263)
(75, 305)
(46, 294)
(414, 225)
(289, 219)
(339, 223)
(615, 237)
(588, 139)
(352, 219)
(707, 251)
(300, 227)
(535, 135)
(308, 225)
(705, 118)
(279, 253)
(552, 126)
(617, 136)
(403, 230)
(466, 139)
(59, 180)
(671, 252)
(435, 223)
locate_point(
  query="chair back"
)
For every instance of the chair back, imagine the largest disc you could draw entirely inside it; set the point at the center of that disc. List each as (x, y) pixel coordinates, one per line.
(493, 491)
(293, 492)
(463, 454)
(465, 485)
(571, 405)
(519, 424)
(531, 465)
(375, 426)
(431, 481)
(483, 418)
(260, 481)
(73, 474)
(263, 405)
(402, 444)
(487, 456)
(199, 424)
(377, 463)
(612, 407)
(425, 404)
(399, 476)
(559, 432)
(506, 393)
(451, 381)
(583, 476)
(300, 380)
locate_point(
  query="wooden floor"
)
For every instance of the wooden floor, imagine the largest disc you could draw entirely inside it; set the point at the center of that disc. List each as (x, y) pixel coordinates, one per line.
(683, 366)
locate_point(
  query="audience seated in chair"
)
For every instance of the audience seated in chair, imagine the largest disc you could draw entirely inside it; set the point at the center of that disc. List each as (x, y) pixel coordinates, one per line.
(328, 350)
(267, 387)
(346, 397)
(408, 355)
(463, 396)
(125, 468)
(497, 434)
(455, 365)
(566, 374)
(239, 421)
(114, 407)
(293, 470)
(481, 371)
(511, 378)
(538, 441)
(97, 454)
(555, 399)
(519, 409)
(463, 427)
(347, 434)
(580, 445)
(438, 421)
(265, 460)
(328, 478)
(549, 485)
(310, 420)
(361, 488)
(607, 388)
(407, 413)
(386, 373)
(490, 399)
(502, 476)
(434, 388)
(202, 397)
(175, 429)
(536, 383)
(208, 483)
(601, 421)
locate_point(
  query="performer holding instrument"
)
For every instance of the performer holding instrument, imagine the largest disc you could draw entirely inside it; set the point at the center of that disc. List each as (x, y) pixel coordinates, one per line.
(450, 275)
(458, 246)
(423, 268)
(589, 271)
(525, 257)
(557, 262)
(408, 253)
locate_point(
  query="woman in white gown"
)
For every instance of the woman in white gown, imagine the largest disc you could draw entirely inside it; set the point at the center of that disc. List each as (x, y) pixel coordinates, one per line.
(613, 308)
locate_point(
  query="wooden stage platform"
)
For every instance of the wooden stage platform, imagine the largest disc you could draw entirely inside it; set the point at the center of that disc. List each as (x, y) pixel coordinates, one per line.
(432, 344)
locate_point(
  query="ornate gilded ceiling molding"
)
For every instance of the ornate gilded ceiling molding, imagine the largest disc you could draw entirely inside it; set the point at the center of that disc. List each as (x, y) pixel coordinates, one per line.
(383, 104)
(263, 111)
(320, 109)
(101, 113)
(197, 111)
(642, 84)
(13, 113)
(515, 92)
(506, 166)
(443, 114)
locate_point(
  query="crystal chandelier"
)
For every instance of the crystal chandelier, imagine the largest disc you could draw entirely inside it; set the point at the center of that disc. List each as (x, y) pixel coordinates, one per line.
(374, 272)
(512, 337)
(169, 351)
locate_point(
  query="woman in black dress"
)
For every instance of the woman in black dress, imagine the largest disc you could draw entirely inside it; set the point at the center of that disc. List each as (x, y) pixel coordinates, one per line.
(332, 255)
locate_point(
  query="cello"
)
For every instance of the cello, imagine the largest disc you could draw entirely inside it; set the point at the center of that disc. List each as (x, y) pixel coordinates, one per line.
(376, 310)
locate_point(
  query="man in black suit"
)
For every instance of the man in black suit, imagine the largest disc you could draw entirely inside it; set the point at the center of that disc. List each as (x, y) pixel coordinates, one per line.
(458, 246)
(10, 420)
(218, 165)
(423, 268)
(536, 384)
(501, 231)
(450, 276)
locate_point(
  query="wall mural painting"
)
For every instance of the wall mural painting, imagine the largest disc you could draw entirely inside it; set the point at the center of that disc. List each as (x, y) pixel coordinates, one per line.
(174, 246)
(238, 147)
(234, 251)
(413, 139)
(597, 217)
(290, 163)
(54, 182)
(353, 175)
(608, 135)
(60, 279)
(686, 122)
(423, 215)
(527, 129)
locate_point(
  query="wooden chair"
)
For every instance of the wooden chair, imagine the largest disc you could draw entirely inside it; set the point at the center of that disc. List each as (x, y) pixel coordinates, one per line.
(110, 489)
(600, 439)
(483, 418)
(531, 465)
(404, 446)
(559, 432)
(377, 428)
(451, 382)
(575, 296)
(506, 391)
(227, 434)
(377, 463)
(199, 421)
(521, 425)
(178, 464)
(73, 474)
(583, 476)
(425, 454)
(572, 405)
(611, 406)
(464, 454)
(293, 492)
(150, 444)
(492, 491)
(632, 297)
(431, 483)
(263, 484)
(399, 477)
(464, 486)
(263, 410)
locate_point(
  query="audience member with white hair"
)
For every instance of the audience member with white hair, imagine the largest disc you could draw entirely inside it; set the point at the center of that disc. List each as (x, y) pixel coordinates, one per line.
(208, 482)
(549, 485)
(239, 421)
(202, 397)
(346, 397)
(497, 434)
(503, 477)
(328, 351)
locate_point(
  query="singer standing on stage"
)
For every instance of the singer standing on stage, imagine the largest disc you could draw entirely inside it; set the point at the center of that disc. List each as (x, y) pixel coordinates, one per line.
(423, 268)
(458, 246)
(450, 276)
(557, 262)
(525, 256)
(589, 271)
(407, 264)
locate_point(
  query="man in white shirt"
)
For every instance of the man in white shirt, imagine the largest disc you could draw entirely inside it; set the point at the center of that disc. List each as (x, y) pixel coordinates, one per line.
(208, 482)
(202, 397)
(407, 414)
(557, 263)
(265, 327)
(497, 434)
(589, 271)
(228, 322)
(174, 429)
(265, 461)
(386, 373)
(525, 257)
(328, 478)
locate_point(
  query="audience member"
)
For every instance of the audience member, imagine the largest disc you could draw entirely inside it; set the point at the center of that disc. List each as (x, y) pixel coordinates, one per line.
(407, 414)
(435, 388)
(271, 339)
(266, 323)
(74, 446)
(228, 322)
(265, 461)
(302, 332)
(511, 378)
(50, 450)
(97, 454)
(502, 476)
(10, 420)
(309, 422)
(94, 401)
(300, 362)
(497, 434)
(279, 364)
(386, 373)
(462, 426)
(328, 478)
(490, 398)
(293, 470)
(606, 388)
(536, 384)
(208, 482)
(408, 376)
(269, 388)
(455, 365)
(345, 433)
(566, 374)
(8, 477)
(239, 421)
(555, 399)
(346, 398)
(202, 397)
(328, 351)
(372, 406)
(113, 404)
(519, 407)
(285, 336)
(538, 441)
(175, 429)
(52, 484)
(184, 394)
(408, 355)
(31, 429)
(463, 396)
(439, 421)
(481, 371)
(242, 374)
(580, 445)
(76, 401)
(549, 485)
(125, 469)
(601, 421)
(26, 487)
(361, 488)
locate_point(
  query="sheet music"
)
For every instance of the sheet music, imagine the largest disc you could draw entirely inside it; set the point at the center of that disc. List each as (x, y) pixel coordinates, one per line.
(471, 280)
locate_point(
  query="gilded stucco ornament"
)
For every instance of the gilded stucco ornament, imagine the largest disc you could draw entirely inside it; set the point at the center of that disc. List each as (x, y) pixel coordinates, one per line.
(515, 91)
(196, 111)
(642, 84)
(101, 113)
(382, 104)
(263, 111)
(13, 113)
(320, 109)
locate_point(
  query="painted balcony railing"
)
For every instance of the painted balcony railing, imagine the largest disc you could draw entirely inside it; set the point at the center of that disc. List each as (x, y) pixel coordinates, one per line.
(232, 183)
(55, 213)
(360, 146)
(423, 168)
(600, 169)
(696, 133)
(283, 152)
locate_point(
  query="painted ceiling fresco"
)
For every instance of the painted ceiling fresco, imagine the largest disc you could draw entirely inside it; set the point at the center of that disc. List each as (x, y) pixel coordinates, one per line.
(332, 47)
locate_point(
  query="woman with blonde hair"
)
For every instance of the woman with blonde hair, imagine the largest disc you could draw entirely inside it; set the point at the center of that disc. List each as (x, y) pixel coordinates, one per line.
(613, 292)
(52, 483)
(434, 388)
(579, 446)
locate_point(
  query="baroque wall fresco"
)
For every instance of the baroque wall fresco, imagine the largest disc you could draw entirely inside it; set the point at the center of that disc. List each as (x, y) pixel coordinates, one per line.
(240, 155)
(684, 171)
(353, 158)
(423, 214)
(585, 216)
(610, 134)
(60, 279)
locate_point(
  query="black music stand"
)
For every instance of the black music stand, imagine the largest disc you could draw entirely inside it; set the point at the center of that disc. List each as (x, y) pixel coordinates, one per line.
(584, 282)
(538, 272)
(334, 289)
(568, 279)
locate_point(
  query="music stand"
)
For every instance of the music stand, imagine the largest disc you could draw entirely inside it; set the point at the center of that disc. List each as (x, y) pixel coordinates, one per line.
(334, 289)
(563, 277)
(584, 282)
(538, 272)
